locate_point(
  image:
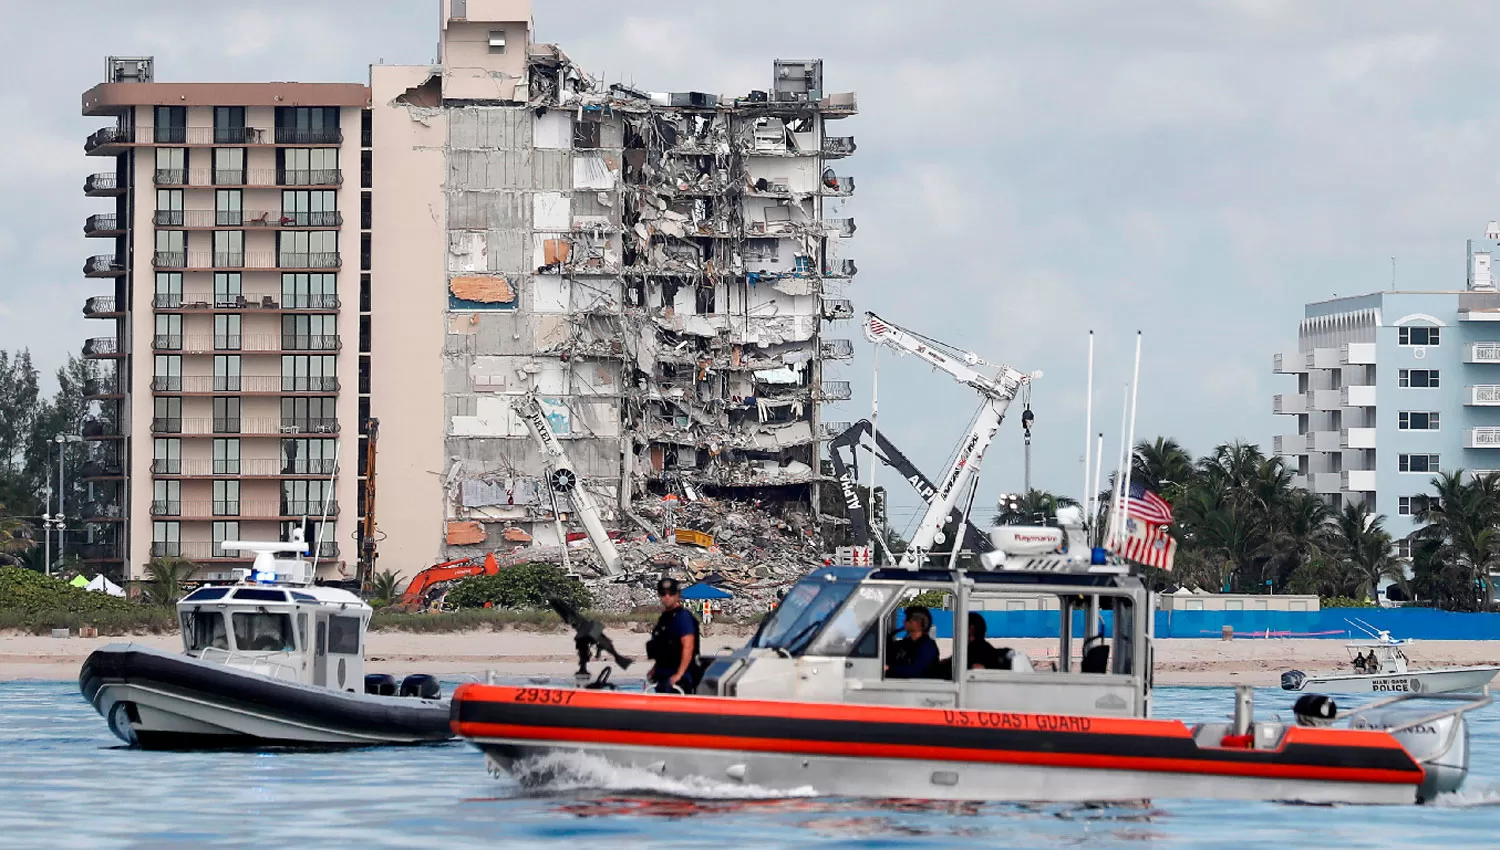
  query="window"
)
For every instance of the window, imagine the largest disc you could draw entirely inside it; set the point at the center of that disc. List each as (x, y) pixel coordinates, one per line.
(315, 249)
(308, 373)
(166, 456)
(168, 289)
(364, 334)
(169, 208)
(364, 251)
(307, 125)
(366, 129)
(343, 635)
(497, 41)
(171, 167)
(1417, 421)
(310, 290)
(226, 333)
(167, 377)
(229, 125)
(227, 292)
(1418, 378)
(166, 537)
(364, 293)
(307, 457)
(366, 170)
(586, 134)
(1403, 549)
(227, 372)
(308, 416)
(225, 530)
(305, 498)
(168, 332)
(1417, 463)
(364, 374)
(227, 456)
(309, 333)
(227, 415)
(1417, 335)
(229, 207)
(263, 632)
(229, 248)
(226, 498)
(229, 166)
(171, 124)
(1411, 505)
(308, 166)
(204, 629)
(365, 215)
(167, 415)
(171, 248)
(309, 208)
(166, 499)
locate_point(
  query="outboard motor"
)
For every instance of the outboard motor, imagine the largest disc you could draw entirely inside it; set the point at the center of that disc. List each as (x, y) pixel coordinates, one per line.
(1441, 744)
(422, 686)
(1292, 680)
(380, 684)
(1315, 710)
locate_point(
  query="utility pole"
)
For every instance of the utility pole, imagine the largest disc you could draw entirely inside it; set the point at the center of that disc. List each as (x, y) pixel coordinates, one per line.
(62, 522)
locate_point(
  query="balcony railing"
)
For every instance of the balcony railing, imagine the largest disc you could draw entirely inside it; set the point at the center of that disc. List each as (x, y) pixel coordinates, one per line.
(838, 308)
(208, 136)
(1484, 352)
(314, 260)
(308, 466)
(202, 426)
(106, 183)
(170, 549)
(835, 391)
(842, 226)
(166, 507)
(837, 349)
(102, 510)
(166, 342)
(1483, 438)
(309, 426)
(840, 269)
(304, 136)
(109, 136)
(839, 146)
(226, 301)
(308, 507)
(167, 466)
(166, 425)
(310, 177)
(100, 346)
(103, 265)
(309, 301)
(168, 218)
(170, 177)
(1484, 394)
(169, 259)
(290, 384)
(98, 304)
(99, 429)
(310, 342)
(166, 384)
(101, 224)
(837, 185)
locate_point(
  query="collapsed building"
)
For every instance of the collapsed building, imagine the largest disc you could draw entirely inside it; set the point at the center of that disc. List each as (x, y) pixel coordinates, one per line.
(657, 269)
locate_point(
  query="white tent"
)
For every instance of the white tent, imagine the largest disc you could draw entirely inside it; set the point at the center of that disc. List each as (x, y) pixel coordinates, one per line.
(100, 584)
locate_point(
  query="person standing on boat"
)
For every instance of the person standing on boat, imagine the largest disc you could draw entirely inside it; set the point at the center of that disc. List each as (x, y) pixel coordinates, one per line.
(673, 647)
(914, 656)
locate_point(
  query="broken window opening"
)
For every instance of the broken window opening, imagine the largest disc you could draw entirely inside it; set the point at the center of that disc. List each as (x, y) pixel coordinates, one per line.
(586, 134)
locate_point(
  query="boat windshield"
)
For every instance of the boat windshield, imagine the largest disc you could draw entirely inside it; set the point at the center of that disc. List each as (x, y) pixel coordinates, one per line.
(798, 618)
(261, 632)
(202, 629)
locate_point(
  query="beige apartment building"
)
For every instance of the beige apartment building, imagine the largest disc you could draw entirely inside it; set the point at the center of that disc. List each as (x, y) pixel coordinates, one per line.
(658, 270)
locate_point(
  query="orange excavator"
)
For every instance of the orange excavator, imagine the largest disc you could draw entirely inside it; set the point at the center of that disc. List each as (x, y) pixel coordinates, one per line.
(414, 598)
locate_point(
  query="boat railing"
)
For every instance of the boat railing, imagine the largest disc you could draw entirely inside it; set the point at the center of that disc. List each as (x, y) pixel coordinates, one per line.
(1465, 703)
(231, 658)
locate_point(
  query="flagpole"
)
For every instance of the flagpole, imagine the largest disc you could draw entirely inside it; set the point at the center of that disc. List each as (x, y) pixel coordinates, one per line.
(1112, 530)
(1135, 391)
(1094, 498)
(1088, 433)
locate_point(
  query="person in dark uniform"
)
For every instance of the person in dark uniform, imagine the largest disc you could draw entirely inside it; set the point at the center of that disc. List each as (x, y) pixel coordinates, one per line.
(981, 655)
(673, 647)
(916, 655)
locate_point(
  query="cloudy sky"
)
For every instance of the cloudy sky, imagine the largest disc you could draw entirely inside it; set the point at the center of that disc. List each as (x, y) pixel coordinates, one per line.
(1027, 171)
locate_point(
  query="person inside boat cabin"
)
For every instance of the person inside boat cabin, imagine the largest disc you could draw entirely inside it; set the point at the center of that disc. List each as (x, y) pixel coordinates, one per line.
(983, 656)
(916, 655)
(673, 647)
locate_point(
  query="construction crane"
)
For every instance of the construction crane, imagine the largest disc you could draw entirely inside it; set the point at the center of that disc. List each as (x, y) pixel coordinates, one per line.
(996, 392)
(564, 481)
(367, 553)
(846, 472)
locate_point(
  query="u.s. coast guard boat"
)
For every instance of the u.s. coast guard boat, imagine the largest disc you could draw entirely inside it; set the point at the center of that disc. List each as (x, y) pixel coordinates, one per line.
(270, 660)
(810, 702)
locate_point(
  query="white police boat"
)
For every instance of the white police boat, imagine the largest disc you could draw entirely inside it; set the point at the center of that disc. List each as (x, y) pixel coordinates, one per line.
(271, 660)
(1379, 665)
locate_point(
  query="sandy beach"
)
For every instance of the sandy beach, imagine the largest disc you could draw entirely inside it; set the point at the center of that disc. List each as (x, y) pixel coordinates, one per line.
(525, 653)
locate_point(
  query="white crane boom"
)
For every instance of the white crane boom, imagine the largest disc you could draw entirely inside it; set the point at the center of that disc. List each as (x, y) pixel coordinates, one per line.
(562, 479)
(997, 392)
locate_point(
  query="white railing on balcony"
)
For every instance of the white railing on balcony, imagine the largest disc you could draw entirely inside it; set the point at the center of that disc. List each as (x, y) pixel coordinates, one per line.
(1357, 438)
(1357, 353)
(1482, 438)
(1484, 394)
(1484, 352)
(1289, 403)
(1358, 480)
(1357, 396)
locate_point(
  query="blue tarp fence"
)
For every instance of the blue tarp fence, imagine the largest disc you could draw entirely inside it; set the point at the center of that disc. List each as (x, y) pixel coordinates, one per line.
(1332, 623)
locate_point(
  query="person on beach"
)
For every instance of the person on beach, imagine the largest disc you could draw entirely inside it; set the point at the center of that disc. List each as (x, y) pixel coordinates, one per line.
(673, 647)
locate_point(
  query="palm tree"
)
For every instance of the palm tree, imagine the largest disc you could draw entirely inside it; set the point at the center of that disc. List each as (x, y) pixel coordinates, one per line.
(384, 587)
(167, 574)
(1359, 538)
(1163, 466)
(1459, 526)
(1034, 506)
(15, 539)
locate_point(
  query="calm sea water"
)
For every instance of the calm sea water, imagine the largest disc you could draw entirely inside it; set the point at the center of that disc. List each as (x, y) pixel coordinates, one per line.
(64, 782)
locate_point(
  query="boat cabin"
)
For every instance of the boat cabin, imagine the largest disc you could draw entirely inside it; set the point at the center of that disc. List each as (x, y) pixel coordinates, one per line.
(1376, 657)
(832, 638)
(275, 622)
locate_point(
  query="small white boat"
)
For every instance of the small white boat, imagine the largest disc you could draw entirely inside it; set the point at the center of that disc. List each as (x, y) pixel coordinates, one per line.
(1379, 665)
(270, 660)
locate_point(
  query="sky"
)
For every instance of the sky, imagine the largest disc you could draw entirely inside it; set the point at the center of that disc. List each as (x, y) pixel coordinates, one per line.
(1027, 171)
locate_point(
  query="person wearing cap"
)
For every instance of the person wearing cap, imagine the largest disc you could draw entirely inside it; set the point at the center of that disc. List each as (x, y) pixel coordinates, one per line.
(673, 647)
(916, 655)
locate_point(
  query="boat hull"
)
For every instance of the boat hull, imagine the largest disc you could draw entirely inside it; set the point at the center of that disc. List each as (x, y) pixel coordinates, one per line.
(1443, 681)
(157, 700)
(864, 751)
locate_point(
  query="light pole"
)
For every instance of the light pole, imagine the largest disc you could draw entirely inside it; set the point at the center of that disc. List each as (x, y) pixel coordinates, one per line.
(62, 441)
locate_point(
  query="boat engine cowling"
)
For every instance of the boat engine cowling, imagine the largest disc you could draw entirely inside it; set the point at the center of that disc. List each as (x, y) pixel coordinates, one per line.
(380, 684)
(422, 686)
(1441, 745)
(1315, 710)
(1292, 680)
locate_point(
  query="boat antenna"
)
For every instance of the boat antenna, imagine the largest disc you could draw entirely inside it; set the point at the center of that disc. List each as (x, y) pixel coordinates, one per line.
(1088, 438)
(1129, 459)
(1092, 495)
(1114, 495)
(327, 501)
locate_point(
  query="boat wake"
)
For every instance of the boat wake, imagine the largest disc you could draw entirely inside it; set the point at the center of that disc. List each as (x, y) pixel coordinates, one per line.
(1473, 795)
(565, 772)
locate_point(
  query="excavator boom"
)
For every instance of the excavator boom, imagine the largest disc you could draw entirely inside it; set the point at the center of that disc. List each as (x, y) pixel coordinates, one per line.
(416, 589)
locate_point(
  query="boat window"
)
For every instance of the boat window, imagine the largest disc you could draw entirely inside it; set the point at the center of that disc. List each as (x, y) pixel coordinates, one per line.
(203, 594)
(807, 606)
(343, 635)
(303, 597)
(258, 631)
(203, 629)
(1124, 629)
(857, 618)
(909, 659)
(260, 595)
(302, 631)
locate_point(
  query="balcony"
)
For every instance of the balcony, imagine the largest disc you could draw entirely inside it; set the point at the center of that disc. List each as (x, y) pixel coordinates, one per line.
(213, 260)
(1483, 395)
(102, 511)
(102, 224)
(1300, 482)
(1482, 438)
(837, 186)
(245, 385)
(840, 269)
(834, 391)
(1357, 438)
(310, 177)
(309, 426)
(292, 508)
(836, 349)
(227, 302)
(310, 342)
(314, 260)
(106, 389)
(233, 136)
(836, 147)
(1289, 444)
(202, 426)
(1357, 396)
(1358, 480)
(98, 429)
(101, 551)
(844, 227)
(305, 136)
(102, 346)
(243, 219)
(103, 265)
(1324, 358)
(242, 468)
(1357, 354)
(103, 185)
(109, 141)
(1289, 403)
(1289, 363)
(1326, 483)
(169, 259)
(101, 470)
(1325, 442)
(170, 177)
(101, 307)
(837, 308)
(830, 430)
(1483, 352)
(1326, 400)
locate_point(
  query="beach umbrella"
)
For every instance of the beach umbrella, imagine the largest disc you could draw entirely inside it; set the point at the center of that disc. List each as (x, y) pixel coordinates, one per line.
(705, 591)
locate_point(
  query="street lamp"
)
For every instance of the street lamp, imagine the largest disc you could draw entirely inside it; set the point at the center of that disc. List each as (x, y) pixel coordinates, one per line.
(60, 518)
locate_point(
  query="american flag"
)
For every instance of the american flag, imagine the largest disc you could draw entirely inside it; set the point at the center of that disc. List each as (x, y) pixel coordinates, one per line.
(1147, 543)
(1146, 505)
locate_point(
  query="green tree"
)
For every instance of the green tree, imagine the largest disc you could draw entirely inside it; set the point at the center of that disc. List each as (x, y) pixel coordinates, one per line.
(1360, 541)
(1163, 467)
(385, 588)
(15, 539)
(1459, 529)
(165, 576)
(521, 586)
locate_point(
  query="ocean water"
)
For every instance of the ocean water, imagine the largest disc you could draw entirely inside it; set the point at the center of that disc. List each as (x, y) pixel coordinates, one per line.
(66, 782)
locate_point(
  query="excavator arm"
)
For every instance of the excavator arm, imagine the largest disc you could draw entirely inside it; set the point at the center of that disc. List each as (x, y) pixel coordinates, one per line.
(416, 589)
